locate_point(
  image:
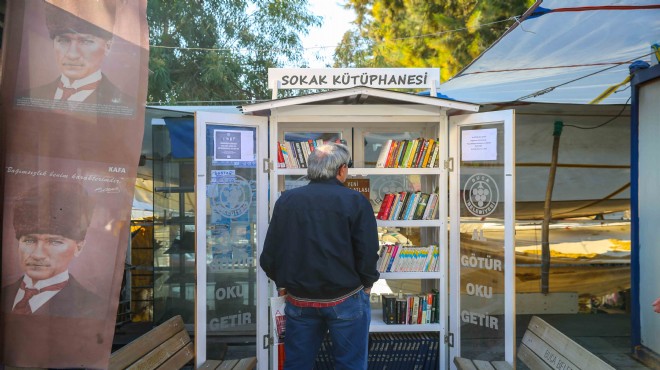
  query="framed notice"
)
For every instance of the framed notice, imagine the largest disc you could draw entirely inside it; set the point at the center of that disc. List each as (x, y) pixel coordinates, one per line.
(479, 145)
(233, 146)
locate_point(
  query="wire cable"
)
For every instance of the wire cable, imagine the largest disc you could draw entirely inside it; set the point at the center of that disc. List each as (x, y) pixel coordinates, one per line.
(625, 105)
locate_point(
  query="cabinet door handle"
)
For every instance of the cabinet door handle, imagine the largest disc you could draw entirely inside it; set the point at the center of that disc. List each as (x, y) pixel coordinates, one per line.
(268, 165)
(449, 164)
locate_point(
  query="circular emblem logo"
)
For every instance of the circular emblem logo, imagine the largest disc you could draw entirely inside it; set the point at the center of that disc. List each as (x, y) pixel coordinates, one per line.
(386, 184)
(481, 195)
(233, 199)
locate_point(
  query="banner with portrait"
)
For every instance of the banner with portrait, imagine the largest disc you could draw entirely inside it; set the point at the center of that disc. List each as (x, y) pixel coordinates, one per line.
(73, 91)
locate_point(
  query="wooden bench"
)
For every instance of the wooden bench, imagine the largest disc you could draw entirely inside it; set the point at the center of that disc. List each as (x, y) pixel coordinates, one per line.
(168, 346)
(467, 364)
(543, 348)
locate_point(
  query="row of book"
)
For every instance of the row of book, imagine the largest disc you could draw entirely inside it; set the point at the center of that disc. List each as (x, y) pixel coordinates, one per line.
(415, 351)
(400, 258)
(410, 309)
(294, 154)
(408, 205)
(417, 153)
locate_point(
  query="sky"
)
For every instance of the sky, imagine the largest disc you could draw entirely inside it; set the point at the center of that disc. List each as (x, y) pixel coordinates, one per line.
(323, 40)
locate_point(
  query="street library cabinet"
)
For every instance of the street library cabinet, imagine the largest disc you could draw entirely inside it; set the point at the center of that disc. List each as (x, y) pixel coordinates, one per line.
(435, 172)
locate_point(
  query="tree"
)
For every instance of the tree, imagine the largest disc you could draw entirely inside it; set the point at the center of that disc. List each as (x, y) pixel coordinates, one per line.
(424, 33)
(220, 50)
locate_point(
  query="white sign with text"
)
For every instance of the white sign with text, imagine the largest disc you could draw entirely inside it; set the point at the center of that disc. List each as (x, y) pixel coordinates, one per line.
(340, 78)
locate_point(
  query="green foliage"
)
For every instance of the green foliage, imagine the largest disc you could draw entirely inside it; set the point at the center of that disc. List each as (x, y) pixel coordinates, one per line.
(424, 33)
(220, 50)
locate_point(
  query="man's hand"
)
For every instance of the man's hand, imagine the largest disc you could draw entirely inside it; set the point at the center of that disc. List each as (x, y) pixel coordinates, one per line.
(281, 292)
(367, 290)
(656, 305)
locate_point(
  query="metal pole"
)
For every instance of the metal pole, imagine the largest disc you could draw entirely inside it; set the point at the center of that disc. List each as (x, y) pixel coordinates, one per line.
(547, 211)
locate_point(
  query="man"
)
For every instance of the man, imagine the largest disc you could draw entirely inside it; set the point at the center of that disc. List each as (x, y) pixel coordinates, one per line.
(50, 222)
(321, 249)
(82, 37)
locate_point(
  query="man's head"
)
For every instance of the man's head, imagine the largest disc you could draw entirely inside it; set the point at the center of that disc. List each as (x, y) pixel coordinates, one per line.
(81, 33)
(50, 222)
(329, 161)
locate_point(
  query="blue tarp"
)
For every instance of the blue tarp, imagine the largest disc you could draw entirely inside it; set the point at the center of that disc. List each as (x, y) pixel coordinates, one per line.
(182, 136)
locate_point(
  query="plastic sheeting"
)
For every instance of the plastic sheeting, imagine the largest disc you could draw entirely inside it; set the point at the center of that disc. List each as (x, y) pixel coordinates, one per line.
(568, 52)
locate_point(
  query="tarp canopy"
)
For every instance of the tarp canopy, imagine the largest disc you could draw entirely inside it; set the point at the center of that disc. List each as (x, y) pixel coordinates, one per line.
(564, 52)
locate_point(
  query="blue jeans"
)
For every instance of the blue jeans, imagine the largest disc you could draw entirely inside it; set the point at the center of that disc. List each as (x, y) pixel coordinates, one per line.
(348, 324)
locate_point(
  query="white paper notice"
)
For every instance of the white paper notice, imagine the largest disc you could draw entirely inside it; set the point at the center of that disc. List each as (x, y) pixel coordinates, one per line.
(479, 145)
(233, 146)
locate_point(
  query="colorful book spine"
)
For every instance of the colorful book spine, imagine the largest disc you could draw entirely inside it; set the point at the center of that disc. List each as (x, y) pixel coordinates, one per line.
(382, 156)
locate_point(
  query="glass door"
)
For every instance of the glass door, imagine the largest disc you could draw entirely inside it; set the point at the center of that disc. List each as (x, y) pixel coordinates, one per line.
(231, 205)
(482, 256)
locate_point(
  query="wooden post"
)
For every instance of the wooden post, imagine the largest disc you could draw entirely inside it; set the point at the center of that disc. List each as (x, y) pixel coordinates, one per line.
(547, 211)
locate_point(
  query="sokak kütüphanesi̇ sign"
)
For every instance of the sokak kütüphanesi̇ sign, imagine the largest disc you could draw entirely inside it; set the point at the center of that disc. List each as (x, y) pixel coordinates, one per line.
(339, 78)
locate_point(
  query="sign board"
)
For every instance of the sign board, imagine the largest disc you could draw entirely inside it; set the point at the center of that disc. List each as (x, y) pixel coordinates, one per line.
(341, 78)
(360, 185)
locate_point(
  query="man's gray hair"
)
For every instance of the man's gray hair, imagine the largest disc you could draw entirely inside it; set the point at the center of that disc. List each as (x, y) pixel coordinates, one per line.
(325, 160)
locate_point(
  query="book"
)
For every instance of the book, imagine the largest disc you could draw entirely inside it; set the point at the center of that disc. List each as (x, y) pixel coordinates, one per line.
(435, 157)
(401, 310)
(382, 359)
(418, 150)
(391, 154)
(396, 257)
(429, 151)
(382, 256)
(404, 203)
(395, 359)
(429, 206)
(420, 153)
(392, 257)
(434, 208)
(280, 156)
(397, 207)
(430, 254)
(389, 308)
(429, 305)
(386, 206)
(382, 156)
(414, 312)
(295, 163)
(432, 155)
(300, 155)
(435, 308)
(412, 207)
(421, 206)
(400, 153)
(406, 154)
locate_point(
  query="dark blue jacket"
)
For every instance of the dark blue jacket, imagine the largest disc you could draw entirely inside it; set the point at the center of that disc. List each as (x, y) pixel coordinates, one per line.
(322, 241)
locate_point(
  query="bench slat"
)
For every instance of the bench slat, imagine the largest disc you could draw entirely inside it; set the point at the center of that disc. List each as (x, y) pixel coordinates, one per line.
(246, 364)
(572, 351)
(547, 353)
(227, 364)
(501, 365)
(464, 364)
(131, 352)
(483, 365)
(531, 359)
(182, 357)
(210, 365)
(156, 357)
